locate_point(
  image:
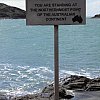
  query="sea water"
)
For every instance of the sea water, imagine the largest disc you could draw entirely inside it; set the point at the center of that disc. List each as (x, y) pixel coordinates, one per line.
(27, 54)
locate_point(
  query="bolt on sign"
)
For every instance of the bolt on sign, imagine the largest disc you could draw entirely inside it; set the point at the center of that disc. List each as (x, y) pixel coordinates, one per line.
(55, 12)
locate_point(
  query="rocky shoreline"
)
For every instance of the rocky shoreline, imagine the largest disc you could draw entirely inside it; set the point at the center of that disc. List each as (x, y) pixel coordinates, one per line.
(68, 88)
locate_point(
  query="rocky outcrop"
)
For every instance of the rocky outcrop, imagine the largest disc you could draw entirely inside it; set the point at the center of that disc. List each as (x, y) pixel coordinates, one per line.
(96, 16)
(11, 12)
(82, 83)
(67, 87)
(74, 83)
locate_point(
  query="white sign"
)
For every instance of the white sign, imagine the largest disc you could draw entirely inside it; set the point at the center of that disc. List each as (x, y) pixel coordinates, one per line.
(55, 12)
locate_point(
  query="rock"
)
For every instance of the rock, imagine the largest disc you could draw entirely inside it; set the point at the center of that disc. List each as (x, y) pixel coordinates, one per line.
(26, 97)
(48, 89)
(63, 94)
(93, 87)
(74, 86)
(75, 82)
(81, 83)
(11, 12)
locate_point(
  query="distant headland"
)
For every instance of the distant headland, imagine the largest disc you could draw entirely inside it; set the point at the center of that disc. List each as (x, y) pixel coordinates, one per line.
(9, 12)
(96, 16)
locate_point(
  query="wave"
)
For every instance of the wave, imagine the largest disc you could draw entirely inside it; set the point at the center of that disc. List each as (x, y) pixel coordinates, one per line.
(20, 80)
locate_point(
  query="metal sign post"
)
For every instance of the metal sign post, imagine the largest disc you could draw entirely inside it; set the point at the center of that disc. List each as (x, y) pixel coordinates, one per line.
(56, 63)
(56, 12)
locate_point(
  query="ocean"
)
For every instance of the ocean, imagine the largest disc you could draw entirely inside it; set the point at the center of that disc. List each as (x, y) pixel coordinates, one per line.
(27, 54)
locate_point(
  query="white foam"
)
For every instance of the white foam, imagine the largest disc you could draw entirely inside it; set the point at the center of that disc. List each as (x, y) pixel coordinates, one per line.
(64, 73)
(39, 70)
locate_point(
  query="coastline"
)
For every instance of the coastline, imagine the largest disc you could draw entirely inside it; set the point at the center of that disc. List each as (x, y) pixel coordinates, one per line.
(96, 16)
(81, 87)
(78, 87)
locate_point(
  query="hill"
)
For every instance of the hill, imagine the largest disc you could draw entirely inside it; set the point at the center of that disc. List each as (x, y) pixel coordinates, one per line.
(11, 12)
(96, 16)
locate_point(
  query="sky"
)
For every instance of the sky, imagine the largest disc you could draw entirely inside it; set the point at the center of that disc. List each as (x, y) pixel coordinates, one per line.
(92, 6)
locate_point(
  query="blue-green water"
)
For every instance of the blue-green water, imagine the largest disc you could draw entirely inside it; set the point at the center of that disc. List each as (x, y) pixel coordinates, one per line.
(27, 52)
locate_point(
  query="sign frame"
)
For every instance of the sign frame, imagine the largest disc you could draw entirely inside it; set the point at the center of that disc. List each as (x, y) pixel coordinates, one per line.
(55, 12)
